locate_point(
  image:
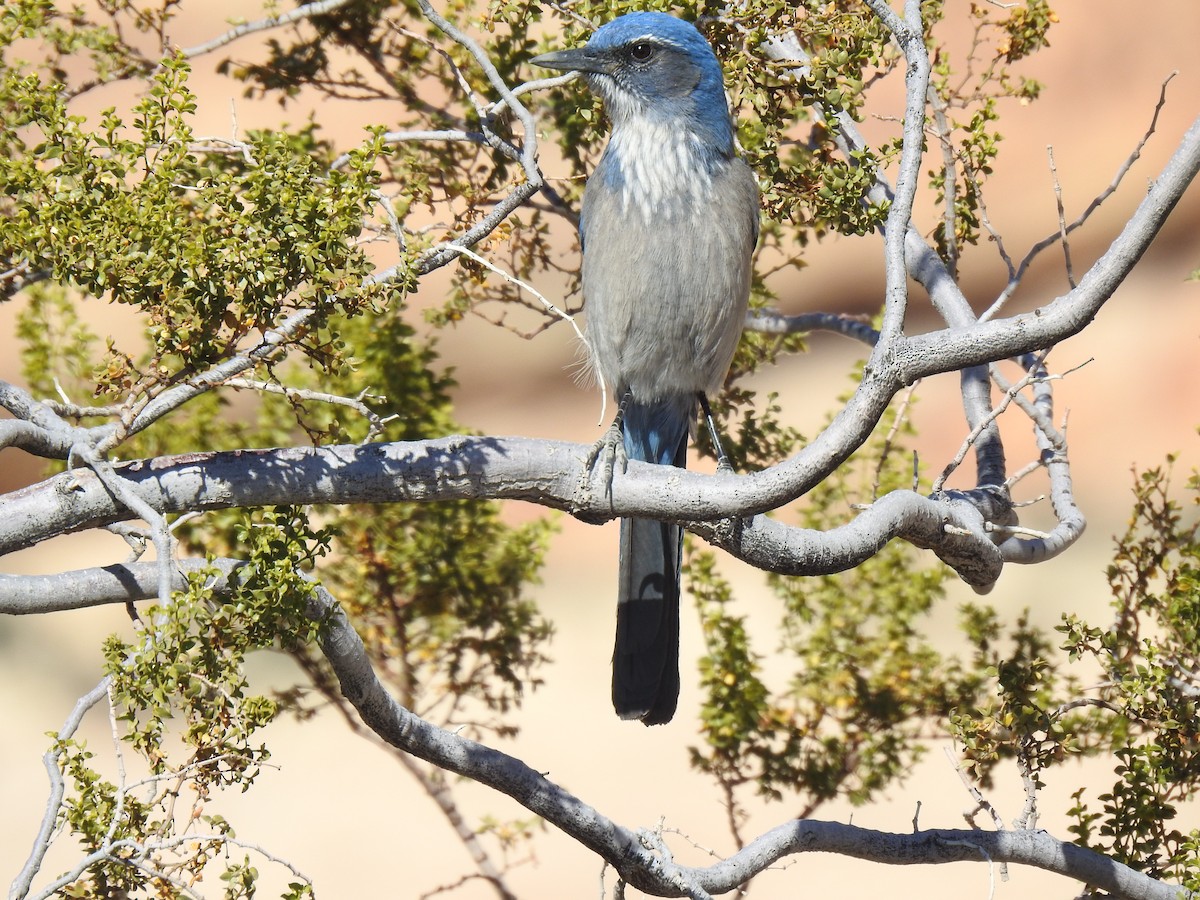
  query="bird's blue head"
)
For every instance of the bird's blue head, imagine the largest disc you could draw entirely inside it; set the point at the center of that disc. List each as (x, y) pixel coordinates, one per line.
(653, 66)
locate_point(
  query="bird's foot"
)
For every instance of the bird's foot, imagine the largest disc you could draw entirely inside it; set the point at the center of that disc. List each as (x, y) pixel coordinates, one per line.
(610, 452)
(611, 449)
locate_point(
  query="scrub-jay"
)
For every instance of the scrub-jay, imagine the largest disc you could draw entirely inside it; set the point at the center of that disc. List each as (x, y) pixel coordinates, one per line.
(669, 223)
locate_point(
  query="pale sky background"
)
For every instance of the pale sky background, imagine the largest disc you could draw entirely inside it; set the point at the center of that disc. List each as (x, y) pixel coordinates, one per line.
(349, 817)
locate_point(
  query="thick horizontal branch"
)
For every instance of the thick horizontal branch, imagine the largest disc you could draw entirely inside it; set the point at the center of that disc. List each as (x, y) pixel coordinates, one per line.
(951, 525)
(623, 848)
(448, 468)
(548, 473)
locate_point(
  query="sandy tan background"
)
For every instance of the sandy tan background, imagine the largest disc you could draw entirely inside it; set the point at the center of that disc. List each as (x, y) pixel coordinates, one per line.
(351, 819)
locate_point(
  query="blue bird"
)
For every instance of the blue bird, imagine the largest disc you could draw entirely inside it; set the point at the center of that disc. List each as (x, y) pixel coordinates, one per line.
(668, 227)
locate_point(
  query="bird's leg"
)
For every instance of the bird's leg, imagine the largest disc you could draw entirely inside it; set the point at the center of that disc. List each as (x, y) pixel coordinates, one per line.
(611, 447)
(724, 466)
(729, 529)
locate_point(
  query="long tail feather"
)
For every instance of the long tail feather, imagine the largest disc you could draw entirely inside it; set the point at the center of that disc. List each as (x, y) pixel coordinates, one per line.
(646, 655)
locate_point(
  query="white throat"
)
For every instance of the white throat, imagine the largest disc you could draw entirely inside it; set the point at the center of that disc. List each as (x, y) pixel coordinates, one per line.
(663, 168)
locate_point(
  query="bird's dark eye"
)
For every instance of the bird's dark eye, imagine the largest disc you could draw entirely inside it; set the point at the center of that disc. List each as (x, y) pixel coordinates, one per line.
(642, 51)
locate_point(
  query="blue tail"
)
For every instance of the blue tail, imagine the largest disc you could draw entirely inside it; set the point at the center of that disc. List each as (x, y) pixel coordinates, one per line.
(646, 657)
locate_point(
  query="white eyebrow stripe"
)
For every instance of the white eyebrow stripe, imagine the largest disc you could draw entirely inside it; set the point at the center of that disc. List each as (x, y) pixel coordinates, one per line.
(652, 39)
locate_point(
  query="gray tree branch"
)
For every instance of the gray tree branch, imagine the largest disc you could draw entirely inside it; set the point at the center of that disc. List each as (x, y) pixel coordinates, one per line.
(548, 473)
(543, 472)
(962, 346)
(41, 842)
(959, 526)
(638, 857)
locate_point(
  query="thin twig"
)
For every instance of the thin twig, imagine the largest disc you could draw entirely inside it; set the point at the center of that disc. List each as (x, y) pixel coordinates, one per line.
(318, 8)
(41, 843)
(1034, 251)
(1062, 218)
(980, 427)
(897, 424)
(770, 322)
(523, 285)
(375, 422)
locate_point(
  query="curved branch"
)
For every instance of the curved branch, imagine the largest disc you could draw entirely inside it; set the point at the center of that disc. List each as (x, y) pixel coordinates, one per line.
(973, 343)
(1038, 849)
(637, 858)
(1053, 449)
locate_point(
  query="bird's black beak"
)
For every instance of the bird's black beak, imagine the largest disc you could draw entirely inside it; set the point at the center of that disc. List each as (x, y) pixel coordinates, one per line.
(580, 59)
